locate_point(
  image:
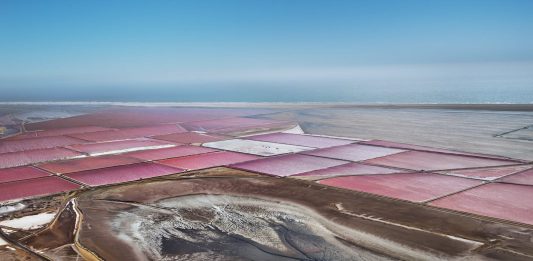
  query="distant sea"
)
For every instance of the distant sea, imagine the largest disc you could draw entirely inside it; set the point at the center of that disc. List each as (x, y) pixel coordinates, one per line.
(254, 93)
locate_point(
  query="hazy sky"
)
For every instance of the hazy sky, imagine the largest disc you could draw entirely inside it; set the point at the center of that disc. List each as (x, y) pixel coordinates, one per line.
(64, 50)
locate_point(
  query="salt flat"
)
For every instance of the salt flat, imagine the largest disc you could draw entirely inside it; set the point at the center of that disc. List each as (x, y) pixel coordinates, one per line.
(457, 129)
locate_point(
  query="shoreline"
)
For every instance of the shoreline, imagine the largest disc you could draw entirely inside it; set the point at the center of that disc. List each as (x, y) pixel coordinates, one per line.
(333, 105)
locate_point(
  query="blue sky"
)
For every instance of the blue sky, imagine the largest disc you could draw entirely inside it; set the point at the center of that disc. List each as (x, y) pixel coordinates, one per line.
(83, 48)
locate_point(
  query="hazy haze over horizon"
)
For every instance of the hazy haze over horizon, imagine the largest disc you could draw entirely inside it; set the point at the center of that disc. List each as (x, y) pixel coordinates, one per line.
(267, 51)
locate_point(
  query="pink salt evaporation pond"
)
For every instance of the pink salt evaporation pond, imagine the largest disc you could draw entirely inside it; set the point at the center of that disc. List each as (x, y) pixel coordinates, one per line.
(122, 173)
(35, 187)
(190, 137)
(346, 170)
(208, 160)
(390, 144)
(504, 201)
(353, 152)
(138, 117)
(37, 143)
(59, 132)
(523, 178)
(301, 140)
(165, 153)
(488, 173)
(418, 160)
(288, 165)
(87, 163)
(130, 133)
(21, 158)
(229, 123)
(417, 187)
(21, 173)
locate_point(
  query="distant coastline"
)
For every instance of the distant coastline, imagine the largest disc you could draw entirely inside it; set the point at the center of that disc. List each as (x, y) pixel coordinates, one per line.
(454, 106)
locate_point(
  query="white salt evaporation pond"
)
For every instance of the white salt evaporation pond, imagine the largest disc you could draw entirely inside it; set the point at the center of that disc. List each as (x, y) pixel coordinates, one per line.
(261, 148)
(29, 222)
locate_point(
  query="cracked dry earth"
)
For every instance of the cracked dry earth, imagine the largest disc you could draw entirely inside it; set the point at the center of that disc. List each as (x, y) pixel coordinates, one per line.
(225, 214)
